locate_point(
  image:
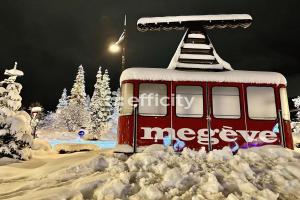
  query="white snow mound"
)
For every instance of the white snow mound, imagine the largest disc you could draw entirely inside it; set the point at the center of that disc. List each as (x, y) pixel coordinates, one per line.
(264, 173)
(71, 148)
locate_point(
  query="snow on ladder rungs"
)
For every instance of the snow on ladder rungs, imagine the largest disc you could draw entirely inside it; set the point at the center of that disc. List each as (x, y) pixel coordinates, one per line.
(196, 46)
(196, 36)
(197, 56)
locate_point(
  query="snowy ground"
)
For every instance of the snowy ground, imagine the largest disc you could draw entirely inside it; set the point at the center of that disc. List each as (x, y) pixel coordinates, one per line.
(259, 173)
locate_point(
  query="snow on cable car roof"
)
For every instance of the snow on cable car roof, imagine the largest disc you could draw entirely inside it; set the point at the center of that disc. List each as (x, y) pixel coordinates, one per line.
(235, 76)
(208, 21)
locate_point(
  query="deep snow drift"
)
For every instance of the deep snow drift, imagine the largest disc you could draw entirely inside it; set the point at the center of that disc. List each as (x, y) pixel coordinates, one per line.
(269, 172)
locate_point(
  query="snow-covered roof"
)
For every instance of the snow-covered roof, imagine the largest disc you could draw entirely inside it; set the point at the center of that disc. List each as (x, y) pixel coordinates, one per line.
(208, 21)
(235, 76)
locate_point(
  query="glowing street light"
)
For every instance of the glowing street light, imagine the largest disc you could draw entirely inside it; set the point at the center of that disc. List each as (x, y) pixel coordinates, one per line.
(120, 44)
(114, 48)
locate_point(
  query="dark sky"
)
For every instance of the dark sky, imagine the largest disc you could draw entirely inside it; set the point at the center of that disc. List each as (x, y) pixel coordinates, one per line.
(50, 38)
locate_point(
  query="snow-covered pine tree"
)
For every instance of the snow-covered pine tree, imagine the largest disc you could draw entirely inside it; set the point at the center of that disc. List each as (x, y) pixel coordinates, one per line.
(76, 113)
(105, 96)
(78, 94)
(95, 105)
(15, 129)
(88, 102)
(116, 110)
(297, 105)
(63, 101)
(48, 121)
(101, 103)
(60, 117)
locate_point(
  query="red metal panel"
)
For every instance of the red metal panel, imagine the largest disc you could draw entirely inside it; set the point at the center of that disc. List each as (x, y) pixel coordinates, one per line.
(263, 125)
(125, 134)
(125, 125)
(288, 134)
(172, 121)
(225, 125)
(188, 122)
(152, 121)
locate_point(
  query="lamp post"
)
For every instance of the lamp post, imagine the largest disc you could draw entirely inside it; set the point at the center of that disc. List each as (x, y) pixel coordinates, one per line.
(35, 111)
(120, 44)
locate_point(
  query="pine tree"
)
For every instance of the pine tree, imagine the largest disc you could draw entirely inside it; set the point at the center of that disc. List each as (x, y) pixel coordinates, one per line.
(63, 101)
(88, 102)
(101, 103)
(49, 121)
(95, 105)
(76, 113)
(78, 95)
(15, 129)
(116, 110)
(58, 119)
(105, 96)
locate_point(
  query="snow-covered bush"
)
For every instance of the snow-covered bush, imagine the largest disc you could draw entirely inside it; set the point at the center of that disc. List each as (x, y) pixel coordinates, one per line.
(15, 129)
(297, 105)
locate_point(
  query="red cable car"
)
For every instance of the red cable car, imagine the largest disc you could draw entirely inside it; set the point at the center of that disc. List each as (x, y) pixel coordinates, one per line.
(200, 100)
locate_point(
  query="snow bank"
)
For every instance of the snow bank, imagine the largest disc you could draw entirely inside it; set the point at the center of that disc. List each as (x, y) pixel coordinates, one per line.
(264, 173)
(6, 161)
(89, 136)
(71, 148)
(39, 144)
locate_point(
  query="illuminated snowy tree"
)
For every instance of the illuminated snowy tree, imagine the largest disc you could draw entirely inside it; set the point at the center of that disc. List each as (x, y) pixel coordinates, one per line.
(76, 113)
(63, 101)
(101, 103)
(15, 129)
(96, 104)
(115, 109)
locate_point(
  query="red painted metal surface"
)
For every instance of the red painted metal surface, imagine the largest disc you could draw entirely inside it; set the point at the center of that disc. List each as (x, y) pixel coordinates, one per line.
(126, 123)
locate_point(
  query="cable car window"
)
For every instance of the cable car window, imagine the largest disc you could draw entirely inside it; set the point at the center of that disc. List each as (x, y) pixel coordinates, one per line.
(189, 101)
(152, 99)
(226, 102)
(126, 106)
(261, 103)
(284, 104)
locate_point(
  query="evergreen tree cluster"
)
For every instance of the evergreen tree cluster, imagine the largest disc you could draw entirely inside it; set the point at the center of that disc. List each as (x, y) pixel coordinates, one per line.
(78, 110)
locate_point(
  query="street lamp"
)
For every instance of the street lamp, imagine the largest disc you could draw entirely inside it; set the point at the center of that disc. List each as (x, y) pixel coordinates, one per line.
(120, 44)
(35, 114)
(114, 48)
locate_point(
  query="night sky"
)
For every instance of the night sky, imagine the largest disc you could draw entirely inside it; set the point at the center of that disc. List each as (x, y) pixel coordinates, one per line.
(51, 38)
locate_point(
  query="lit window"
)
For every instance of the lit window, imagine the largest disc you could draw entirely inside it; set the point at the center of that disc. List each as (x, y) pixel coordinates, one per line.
(126, 106)
(261, 103)
(152, 99)
(189, 101)
(226, 102)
